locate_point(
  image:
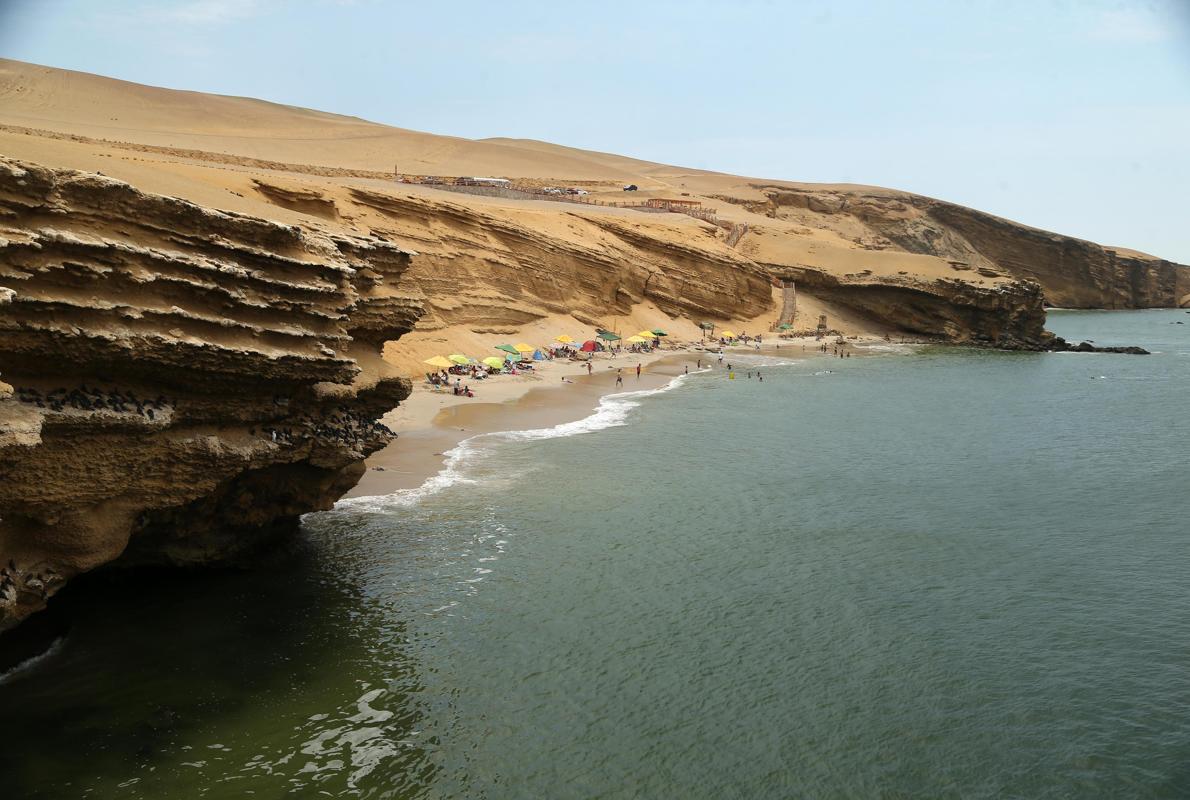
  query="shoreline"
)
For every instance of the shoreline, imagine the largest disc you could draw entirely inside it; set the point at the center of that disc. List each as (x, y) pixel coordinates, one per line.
(429, 424)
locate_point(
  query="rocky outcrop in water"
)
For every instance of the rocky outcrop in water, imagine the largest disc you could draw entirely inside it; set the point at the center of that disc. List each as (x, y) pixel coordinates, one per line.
(180, 384)
(1060, 345)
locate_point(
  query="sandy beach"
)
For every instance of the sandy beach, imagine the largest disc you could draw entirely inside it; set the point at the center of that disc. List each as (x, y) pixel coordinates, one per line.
(431, 421)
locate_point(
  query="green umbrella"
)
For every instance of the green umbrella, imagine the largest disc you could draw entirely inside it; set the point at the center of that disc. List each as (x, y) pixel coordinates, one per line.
(659, 332)
(507, 348)
(608, 336)
(495, 362)
(785, 326)
(514, 357)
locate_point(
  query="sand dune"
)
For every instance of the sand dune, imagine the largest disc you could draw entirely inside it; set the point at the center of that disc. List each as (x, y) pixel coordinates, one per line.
(500, 265)
(106, 108)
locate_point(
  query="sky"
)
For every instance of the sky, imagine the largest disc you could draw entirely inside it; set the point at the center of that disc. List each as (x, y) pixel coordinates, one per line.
(1070, 115)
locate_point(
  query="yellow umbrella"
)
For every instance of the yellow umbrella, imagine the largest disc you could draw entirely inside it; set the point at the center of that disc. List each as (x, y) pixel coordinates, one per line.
(647, 335)
(636, 339)
(495, 362)
(564, 339)
(521, 347)
(727, 334)
(439, 361)
(459, 358)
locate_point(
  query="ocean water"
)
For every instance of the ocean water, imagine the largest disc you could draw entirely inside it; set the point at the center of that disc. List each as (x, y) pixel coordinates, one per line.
(930, 572)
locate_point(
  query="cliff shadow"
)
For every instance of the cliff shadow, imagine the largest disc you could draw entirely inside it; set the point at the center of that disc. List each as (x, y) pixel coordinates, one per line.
(162, 674)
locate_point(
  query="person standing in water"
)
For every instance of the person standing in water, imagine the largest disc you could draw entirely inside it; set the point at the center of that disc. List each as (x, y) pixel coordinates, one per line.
(638, 372)
(619, 378)
(588, 367)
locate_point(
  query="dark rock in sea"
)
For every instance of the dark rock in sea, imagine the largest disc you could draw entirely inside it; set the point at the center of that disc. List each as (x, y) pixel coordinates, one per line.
(1060, 345)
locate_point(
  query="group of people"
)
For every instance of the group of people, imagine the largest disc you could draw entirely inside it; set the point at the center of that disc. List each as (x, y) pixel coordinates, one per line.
(838, 349)
(442, 379)
(459, 388)
(743, 338)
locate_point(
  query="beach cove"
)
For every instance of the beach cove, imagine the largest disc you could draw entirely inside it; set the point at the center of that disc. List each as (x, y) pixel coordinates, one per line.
(433, 421)
(851, 585)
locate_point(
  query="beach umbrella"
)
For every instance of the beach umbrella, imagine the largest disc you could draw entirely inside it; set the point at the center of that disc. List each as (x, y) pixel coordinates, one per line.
(507, 348)
(646, 334)
(785, 326)
(636, 339)
(459, 359)
(439, 361)
(589, 347)
(608, 336)
(514, 357)
(521, 347)
(727, 334)
(659, 332)
(495, 362)
(564, 339)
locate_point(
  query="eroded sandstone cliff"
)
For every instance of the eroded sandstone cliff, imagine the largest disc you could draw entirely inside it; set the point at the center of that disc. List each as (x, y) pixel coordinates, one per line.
(180, 383)
(1008, 315)
(490, 270)
(1073, 273)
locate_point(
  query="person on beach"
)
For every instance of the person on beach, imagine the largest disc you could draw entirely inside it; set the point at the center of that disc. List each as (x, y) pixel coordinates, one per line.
(699, 364)
(720, 358)
(619, 378)
(638, 372)
(588, 367)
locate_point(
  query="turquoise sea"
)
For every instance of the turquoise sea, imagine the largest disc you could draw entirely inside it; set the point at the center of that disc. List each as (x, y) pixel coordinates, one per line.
(931, 572)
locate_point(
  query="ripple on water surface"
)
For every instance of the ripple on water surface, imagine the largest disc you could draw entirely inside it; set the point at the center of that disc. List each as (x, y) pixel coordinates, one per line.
(931, 573)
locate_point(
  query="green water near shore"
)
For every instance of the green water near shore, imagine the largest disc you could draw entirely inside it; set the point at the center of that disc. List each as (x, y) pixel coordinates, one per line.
(936, 572)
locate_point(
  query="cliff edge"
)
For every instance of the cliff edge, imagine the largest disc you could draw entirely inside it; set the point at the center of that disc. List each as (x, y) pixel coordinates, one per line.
(180, 384)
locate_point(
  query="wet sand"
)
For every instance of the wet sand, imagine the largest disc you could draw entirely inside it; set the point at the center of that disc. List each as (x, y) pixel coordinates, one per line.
(430, 423)
(435, 422)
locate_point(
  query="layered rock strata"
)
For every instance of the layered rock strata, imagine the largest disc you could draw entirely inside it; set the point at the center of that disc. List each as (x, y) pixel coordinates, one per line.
(1009, 315)
(492, 271)
(1073, 273)
(180, 384)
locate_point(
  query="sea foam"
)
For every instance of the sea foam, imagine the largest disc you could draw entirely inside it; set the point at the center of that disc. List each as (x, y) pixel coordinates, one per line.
(613, 410)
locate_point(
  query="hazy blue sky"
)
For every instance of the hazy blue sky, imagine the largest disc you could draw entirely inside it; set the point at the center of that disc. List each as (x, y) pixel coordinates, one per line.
(1072, 115)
